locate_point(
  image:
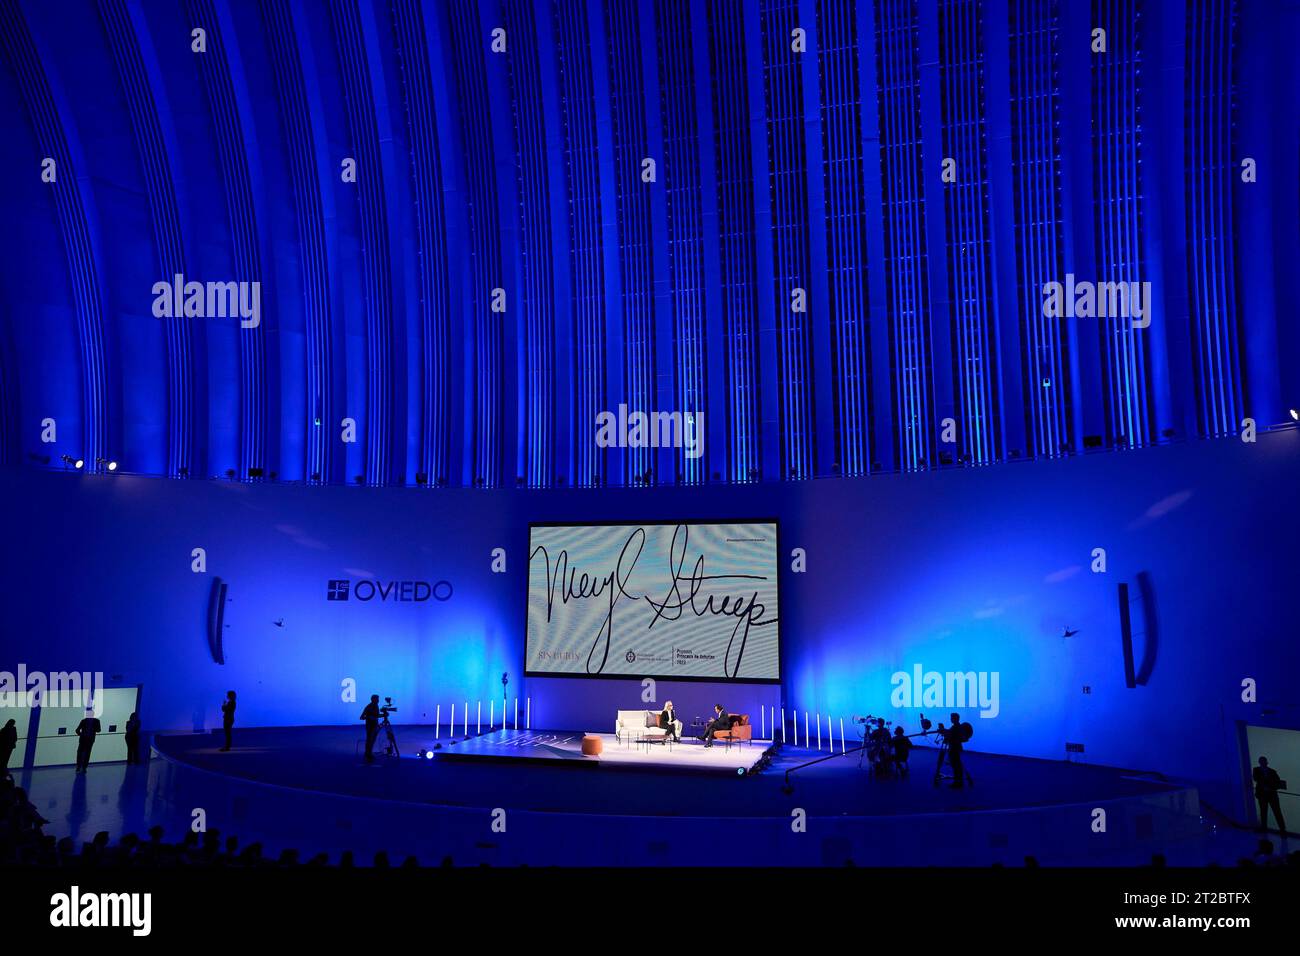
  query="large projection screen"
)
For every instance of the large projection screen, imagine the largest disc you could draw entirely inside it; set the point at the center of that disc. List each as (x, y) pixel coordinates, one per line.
(675, 601)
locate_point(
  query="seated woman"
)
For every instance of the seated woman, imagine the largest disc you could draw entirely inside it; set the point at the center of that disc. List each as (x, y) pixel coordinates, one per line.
(669, 722)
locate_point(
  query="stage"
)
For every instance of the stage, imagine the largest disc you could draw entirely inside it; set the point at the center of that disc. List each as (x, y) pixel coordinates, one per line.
(689, 755)
(309, 788)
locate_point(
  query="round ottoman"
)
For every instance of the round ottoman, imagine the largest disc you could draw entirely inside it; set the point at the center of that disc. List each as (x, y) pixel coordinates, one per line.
(592, 745)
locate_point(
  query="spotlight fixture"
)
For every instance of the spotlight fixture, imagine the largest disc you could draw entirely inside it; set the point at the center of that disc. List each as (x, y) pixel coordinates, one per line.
(1295, 414)
(107, 463)
(74, 462)
(421, 478)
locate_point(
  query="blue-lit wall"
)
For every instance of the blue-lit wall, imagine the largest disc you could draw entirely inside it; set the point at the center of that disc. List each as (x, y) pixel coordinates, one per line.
(776, 169)
(971, 570)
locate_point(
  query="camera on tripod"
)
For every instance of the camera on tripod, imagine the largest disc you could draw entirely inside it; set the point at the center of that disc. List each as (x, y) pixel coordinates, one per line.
(871, 719)
(388, 708)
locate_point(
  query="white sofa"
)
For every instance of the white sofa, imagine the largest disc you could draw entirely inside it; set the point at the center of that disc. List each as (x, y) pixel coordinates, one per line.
(641, 723)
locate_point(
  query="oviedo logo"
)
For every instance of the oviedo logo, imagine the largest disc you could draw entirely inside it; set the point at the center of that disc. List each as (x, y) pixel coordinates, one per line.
(402, 592)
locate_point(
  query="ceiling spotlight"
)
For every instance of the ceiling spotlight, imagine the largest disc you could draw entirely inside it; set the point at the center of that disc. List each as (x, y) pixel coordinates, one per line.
(74, 462)
(107, 463)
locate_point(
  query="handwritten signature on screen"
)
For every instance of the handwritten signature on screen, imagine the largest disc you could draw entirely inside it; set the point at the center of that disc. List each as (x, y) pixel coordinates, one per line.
(573, 584)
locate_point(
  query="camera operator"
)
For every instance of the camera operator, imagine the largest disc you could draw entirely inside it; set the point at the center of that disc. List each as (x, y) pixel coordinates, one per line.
(956, 735)
(371, 716)
(878, 740)
(902, 750)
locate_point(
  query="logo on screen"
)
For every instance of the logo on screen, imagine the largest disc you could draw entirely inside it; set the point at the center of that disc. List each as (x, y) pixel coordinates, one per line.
(630, 657)
(338, 591)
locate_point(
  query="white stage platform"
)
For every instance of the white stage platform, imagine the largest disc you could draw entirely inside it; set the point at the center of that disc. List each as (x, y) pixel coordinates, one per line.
(566, 746)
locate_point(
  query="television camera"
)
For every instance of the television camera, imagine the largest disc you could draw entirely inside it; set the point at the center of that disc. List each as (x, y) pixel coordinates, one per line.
(388, 708)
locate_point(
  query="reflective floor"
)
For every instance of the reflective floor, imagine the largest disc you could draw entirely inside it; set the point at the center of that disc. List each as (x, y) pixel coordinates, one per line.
(120, 799)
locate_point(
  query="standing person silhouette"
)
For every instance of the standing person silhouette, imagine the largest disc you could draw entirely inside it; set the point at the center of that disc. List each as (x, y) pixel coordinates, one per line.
(86, 731)
(371, 716)
(133, 738)
(228, 716)
(8, 741)
(1267, 785)
(956, 737)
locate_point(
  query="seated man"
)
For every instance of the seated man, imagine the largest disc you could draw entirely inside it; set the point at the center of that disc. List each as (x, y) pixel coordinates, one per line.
(720, 722)
(669, 722)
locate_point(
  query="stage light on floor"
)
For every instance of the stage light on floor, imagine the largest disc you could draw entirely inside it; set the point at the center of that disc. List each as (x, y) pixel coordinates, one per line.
(428, 754)
(1295, 414)
(107, 463)
(74, 462)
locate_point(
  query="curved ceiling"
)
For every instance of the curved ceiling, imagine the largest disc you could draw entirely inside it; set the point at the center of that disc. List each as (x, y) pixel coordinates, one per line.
(400, 242)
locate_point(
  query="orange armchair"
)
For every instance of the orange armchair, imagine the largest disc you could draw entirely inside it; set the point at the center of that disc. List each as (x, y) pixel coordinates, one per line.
(741, 730)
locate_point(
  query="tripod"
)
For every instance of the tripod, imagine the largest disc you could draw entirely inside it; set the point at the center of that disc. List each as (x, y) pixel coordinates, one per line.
(938, 767)
(387, 728)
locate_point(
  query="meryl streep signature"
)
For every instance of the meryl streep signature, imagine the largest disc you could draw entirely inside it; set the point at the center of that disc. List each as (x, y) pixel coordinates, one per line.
(574, 584)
